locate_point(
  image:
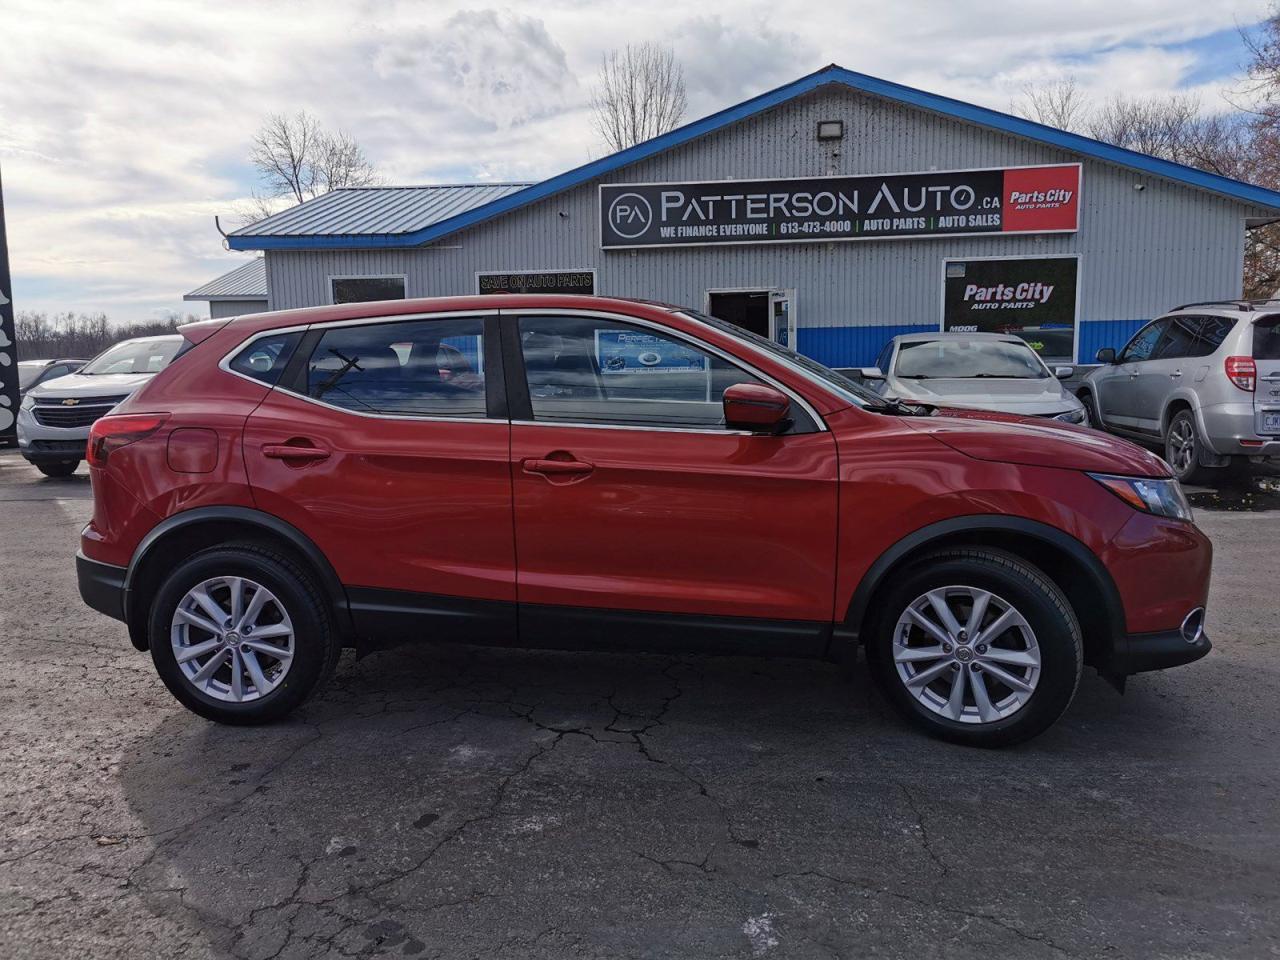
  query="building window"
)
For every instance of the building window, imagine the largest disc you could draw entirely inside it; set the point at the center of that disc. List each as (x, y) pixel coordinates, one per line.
(364, 289)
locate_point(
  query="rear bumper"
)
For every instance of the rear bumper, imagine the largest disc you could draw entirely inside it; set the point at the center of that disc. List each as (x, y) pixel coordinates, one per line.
(1141, 652)
(1224, 425)
(101, 586)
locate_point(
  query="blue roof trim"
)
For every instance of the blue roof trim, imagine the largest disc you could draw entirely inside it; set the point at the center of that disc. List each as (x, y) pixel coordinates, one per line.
(947, 106)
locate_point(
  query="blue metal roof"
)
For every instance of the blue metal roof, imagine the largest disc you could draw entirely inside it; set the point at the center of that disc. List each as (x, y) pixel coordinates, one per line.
(246, 282)
(947, 106)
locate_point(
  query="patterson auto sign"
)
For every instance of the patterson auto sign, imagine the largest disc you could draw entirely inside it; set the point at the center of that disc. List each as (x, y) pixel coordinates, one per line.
(950, 203)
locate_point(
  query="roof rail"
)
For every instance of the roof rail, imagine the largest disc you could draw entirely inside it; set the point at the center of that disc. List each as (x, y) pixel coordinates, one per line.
(1246, 305)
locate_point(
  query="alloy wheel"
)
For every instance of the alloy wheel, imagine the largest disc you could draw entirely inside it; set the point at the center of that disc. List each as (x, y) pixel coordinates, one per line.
(232, 639)
(1181, 446)
(966, 654)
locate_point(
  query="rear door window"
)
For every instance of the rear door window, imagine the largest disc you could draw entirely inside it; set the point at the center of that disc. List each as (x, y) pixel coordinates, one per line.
(1180, 338)
(416, 368)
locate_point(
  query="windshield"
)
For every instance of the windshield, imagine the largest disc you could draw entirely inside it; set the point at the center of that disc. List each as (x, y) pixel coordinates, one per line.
(134, 356)
(851, 391)
(28, 372)
(958, 358)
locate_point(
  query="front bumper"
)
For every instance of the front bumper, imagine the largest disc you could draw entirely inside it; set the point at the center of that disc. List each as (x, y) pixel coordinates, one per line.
(1141, 652)
(101, 586)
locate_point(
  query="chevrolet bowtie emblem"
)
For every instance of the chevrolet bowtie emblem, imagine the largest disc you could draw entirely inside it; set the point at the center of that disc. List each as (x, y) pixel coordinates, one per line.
(70, 402)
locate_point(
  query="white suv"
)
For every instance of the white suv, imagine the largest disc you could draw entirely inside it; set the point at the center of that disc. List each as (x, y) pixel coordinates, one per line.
(1203, 380)
(55, 416)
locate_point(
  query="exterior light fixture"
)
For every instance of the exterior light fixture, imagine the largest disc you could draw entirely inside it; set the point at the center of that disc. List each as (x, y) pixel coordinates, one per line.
(830, 129)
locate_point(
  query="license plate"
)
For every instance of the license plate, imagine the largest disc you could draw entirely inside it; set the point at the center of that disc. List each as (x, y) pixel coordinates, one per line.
(1271, 421)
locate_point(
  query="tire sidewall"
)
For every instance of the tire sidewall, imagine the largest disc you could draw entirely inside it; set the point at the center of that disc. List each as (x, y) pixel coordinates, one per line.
(1057, 636)
(310, 635)
(1193, 471)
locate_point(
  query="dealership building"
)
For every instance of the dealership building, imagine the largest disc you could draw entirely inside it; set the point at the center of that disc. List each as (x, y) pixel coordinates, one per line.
(828, 214)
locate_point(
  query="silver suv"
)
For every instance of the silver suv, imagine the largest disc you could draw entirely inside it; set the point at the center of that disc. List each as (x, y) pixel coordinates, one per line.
(1204, 381)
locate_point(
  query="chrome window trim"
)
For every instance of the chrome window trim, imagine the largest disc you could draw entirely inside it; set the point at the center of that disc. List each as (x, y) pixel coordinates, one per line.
(225, 363)
(707, 431)
(681, 335)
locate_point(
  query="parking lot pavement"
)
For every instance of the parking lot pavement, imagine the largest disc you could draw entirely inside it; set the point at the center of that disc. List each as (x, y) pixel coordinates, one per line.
(458, 802)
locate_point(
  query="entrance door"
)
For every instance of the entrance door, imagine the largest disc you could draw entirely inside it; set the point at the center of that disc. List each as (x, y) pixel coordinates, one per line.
(640, 519)
(750, 309)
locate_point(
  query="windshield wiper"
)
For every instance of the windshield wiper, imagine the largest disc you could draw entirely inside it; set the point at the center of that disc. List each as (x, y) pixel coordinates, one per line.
(914, 376)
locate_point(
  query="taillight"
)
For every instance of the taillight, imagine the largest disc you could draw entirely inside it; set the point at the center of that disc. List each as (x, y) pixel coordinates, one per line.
(112, 433)
(1243, 372)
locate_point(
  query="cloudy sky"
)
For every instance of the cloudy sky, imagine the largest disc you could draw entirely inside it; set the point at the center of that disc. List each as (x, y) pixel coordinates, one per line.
(125, 126)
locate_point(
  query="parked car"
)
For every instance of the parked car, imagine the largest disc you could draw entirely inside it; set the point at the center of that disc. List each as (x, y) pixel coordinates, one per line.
(974, 371)
(55, 415)
(31, 373)
(1203, 381)
(585, 472)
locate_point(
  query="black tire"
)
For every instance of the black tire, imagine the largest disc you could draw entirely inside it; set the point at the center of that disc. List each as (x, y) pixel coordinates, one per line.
(1183, 424)
(63, 468)
(1093, 417)
(1041, 603)
(316, 645)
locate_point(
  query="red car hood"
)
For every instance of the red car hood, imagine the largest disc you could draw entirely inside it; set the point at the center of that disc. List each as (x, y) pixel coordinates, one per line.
(1005, 438)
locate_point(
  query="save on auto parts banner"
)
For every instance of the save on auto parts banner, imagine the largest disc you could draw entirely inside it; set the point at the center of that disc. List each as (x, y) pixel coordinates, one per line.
(1044, 199)
(1033, 297)
(8, 349)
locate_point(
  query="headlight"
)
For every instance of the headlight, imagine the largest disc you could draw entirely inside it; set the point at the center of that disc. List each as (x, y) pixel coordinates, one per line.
(28, 401)
(1071, 416)
(1164, 498)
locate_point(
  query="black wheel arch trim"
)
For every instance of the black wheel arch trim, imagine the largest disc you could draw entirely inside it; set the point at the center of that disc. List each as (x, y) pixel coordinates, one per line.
(978, 524)
(273, 525)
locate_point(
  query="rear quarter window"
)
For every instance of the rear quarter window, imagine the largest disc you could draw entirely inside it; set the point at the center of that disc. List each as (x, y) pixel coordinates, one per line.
(266, 357)
(1266, 338)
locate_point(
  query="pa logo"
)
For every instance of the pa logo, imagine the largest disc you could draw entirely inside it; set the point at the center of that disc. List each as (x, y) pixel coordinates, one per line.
(630, 215)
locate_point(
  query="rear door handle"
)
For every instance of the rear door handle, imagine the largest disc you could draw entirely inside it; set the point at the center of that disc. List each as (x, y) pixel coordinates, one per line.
(553, 468)
(290, 451)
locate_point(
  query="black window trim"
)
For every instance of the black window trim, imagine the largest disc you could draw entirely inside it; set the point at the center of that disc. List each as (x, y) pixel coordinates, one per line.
(292, 380)
(521, 405)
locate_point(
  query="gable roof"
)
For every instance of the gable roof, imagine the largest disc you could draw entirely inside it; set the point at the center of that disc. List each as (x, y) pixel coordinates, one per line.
(250, 238)
(246, 282)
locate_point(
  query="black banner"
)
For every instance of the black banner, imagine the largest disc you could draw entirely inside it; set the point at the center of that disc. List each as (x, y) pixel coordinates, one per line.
(550, 281)
(1005, 200)
(8, 349)
(1034, 298)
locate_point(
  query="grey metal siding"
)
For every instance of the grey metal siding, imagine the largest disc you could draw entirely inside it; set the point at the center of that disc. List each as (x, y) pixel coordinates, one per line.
(1142, 251)
(235, 308)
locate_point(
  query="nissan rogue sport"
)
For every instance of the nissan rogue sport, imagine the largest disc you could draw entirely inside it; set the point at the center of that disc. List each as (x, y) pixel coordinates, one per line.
(580, 472)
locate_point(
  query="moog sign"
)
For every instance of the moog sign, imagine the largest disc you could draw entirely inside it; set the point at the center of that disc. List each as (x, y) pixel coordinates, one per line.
(1042, 199)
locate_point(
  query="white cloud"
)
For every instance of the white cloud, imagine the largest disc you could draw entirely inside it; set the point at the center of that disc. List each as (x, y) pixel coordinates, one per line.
(125, 125)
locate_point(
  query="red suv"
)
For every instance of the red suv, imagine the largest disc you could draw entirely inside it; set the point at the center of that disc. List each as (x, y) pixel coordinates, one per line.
(578, 472)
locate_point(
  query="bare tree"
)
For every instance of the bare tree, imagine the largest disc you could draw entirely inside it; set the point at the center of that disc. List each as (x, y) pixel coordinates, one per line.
(298, 159)
(1059, 104)
(639, 95)
(39, 335)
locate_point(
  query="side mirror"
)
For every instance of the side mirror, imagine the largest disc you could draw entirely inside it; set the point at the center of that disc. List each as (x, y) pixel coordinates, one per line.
(1106, 355)
(756, 407)
(871, 373)
(1064, 373)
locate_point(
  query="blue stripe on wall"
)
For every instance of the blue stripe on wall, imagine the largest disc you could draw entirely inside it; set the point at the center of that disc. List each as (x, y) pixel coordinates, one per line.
(1096, 334)
(859, 346)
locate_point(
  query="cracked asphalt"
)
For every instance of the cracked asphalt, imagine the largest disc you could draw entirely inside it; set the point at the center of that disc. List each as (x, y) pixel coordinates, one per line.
(465, 802)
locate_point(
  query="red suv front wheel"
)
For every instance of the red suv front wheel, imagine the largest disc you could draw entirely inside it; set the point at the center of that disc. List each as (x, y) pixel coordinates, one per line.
(976, 646)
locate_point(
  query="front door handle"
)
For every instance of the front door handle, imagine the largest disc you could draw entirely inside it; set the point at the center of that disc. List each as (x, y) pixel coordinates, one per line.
(294, 451)
(557, 468)
(1176, 374)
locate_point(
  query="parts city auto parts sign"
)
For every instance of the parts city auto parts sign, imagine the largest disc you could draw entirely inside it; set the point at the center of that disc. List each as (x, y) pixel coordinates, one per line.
(1033, 297)
(935, 204)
